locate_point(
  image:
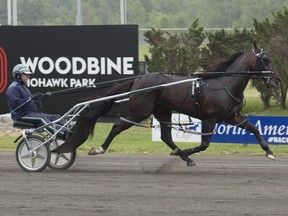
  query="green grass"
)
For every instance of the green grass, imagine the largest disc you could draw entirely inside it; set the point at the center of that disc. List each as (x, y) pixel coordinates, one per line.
(137, 140)
(254, 105)
(6, 142)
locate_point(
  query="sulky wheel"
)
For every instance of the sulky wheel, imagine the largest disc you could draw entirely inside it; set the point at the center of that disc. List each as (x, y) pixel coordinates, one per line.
(36, 160)
(61, 161)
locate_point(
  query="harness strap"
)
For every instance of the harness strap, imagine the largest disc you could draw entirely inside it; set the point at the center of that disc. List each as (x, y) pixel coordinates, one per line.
(242, 122)
(179, 129)
(136, 123)
(198, 133)
(238, 100)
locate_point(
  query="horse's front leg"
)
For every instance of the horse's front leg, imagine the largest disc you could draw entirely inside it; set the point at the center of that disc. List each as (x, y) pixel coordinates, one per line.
(242, 121)
(167, 138)
(207, 130)
(164, 115)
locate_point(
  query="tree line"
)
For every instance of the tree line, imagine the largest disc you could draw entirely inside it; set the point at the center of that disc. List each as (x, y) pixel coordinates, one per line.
(145, 13)
(188, 52)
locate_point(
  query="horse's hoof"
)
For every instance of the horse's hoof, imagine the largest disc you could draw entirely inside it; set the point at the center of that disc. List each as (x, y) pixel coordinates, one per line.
(175, 152)
(191, 163)
(270, 156)
(94, 151)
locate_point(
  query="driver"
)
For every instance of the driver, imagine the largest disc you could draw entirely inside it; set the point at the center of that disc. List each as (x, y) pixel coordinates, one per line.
(22, 104)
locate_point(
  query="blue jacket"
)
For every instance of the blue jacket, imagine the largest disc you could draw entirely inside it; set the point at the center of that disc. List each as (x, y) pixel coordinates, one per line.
(17, 94)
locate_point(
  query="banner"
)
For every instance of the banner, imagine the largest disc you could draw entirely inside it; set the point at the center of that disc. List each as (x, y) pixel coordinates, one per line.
(274, 130)
(178, 135)
(63, 57)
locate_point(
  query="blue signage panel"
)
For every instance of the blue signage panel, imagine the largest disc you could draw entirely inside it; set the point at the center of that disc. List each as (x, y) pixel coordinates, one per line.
(274, 130)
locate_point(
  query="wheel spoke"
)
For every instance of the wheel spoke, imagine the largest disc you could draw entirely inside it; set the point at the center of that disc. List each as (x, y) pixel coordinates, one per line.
(33, 162)
(56, 159)
(40, 156)
(65, 157)
(62, 160)
(26, 156)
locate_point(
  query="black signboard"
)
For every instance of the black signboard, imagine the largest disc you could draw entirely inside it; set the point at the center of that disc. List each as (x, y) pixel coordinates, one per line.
(64, 57)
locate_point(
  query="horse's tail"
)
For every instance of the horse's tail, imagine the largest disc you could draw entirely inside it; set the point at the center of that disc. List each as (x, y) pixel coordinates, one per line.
(86, 122)
(104, 107)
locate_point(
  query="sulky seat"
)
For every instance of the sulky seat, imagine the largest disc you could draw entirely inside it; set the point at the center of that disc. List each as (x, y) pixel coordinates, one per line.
(23, 125)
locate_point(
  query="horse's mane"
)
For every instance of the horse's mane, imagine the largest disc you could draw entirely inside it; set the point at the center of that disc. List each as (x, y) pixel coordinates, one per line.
(222, 66)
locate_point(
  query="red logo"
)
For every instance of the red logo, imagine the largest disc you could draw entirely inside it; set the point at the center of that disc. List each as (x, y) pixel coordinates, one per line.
(3, 70)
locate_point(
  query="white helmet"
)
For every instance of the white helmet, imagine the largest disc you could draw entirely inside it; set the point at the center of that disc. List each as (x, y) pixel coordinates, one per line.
(20, 69)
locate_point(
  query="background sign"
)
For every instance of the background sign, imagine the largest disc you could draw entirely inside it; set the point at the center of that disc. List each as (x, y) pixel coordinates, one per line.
(63, 57)
(177, 135)
(274, 130)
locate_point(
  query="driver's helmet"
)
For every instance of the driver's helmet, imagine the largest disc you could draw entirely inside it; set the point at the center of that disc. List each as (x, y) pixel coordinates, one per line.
(20, 69)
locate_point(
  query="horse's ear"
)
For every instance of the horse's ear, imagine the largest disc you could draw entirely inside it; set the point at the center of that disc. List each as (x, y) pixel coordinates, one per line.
(255, 45)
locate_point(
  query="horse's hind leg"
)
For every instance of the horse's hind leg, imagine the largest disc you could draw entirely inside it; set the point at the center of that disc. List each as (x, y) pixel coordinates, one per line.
(242, 121)
(207, 128)
(164, 115)
(117, 128)
(141, 107)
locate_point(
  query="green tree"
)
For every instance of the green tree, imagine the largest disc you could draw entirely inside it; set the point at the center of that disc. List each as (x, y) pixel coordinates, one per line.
(162, 13)
(274, 35)
(159, 20)
(174, 53)
(223, 44)
(137, 13)
(3, 12)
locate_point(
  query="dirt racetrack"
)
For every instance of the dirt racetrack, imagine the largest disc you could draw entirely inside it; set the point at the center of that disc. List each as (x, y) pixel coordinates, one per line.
(147, 185)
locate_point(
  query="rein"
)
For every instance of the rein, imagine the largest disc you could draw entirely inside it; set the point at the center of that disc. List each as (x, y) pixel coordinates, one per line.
(199, 73)
(251, 74)
(88, 87)
(170, 124)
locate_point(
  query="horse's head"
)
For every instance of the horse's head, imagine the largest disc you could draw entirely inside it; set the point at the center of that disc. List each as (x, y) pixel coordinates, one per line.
(263, 63)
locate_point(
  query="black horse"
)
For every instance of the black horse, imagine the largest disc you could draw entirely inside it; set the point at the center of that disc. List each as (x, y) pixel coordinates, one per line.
(220, 100)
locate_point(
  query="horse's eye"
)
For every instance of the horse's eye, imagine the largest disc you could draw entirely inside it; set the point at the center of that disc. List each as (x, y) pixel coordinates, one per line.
(265, 59)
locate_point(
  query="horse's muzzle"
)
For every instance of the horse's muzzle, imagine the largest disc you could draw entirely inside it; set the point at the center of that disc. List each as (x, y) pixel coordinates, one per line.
(273, 82)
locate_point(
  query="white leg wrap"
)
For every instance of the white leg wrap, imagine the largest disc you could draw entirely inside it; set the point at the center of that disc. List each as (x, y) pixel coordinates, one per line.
(100, 150)
(270, 156)
(94, 151)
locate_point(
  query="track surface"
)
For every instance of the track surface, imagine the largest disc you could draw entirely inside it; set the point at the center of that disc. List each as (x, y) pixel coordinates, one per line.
(147, 185)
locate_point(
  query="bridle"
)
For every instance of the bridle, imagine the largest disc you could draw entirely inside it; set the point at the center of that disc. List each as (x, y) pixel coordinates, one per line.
(262, 62)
